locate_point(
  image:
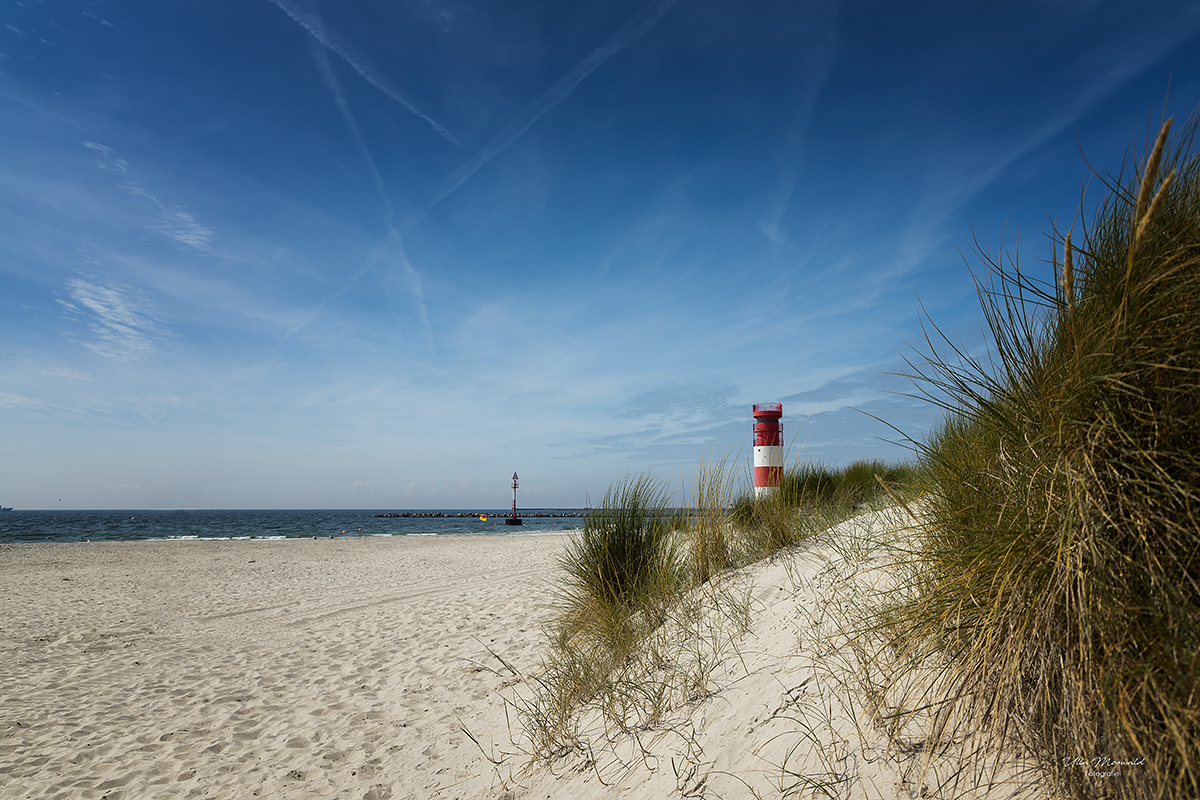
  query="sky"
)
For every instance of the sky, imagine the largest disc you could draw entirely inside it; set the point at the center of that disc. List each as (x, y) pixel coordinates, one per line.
(368, 254)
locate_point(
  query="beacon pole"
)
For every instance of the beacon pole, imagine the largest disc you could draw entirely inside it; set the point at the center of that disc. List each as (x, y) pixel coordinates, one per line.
(514, 519)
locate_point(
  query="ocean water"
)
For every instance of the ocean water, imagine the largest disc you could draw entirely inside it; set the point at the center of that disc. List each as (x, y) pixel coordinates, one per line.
(133, 525)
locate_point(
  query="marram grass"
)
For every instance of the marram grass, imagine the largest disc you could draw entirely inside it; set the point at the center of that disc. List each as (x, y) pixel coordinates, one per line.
(622, 567)
(811, 498)
(1061, 566)
(648, 601)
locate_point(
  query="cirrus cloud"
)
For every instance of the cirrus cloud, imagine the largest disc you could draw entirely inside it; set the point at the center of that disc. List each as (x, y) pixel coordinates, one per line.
(123, 327)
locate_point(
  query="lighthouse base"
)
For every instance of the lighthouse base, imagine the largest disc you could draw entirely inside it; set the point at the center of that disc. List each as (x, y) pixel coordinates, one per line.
(512, 520)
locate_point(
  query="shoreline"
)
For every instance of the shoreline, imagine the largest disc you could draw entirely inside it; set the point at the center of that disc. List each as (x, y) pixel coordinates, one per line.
(347, 537)
(72, 526)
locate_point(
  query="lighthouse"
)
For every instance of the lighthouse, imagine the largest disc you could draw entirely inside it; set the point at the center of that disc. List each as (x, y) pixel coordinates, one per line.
(768, 449)
(514, 519)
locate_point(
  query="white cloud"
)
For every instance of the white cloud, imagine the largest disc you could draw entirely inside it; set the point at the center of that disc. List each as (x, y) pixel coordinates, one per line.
(106, 158)
(184, 229)
(64, 371)
(172, 221)
(12, 400)
(177, 224)
(123, 327)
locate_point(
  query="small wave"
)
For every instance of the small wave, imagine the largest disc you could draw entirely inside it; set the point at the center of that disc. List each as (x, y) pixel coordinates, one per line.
(191, 537)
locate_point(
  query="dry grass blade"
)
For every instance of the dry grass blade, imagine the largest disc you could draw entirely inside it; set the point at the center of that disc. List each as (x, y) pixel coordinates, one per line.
(1069, 294)
(1141, 214)
(1151, 171)
(896, 497)
(1154, 206)
(1068, 278)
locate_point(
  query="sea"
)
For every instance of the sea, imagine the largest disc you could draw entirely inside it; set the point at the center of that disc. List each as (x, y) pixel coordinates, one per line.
(140, 525)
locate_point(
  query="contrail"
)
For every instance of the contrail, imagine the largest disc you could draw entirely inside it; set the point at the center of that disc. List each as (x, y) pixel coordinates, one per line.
(932, 211)
(335, 88)
(637, 27)
(630, 32)
(316, 26)
(371, 76)
(381, 250)
(393, 236)
(820, 51)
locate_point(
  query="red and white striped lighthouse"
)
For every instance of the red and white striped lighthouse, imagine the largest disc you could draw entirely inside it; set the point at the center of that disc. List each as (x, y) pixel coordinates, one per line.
(768, 448)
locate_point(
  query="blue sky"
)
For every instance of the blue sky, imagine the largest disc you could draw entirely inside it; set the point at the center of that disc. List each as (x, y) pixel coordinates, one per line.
(292, 253)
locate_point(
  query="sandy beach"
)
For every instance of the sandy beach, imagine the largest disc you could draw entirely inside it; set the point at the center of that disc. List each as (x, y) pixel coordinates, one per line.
(292, 669)
(351, 668)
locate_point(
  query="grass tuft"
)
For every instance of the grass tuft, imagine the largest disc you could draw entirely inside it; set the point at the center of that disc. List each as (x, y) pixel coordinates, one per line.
(1061, 570)
(620, 573)
(623, 555)
(650, 603)
(810, 499)
(709, 536)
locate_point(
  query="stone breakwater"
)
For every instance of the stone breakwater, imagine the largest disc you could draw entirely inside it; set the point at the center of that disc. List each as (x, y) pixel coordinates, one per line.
(466, 514)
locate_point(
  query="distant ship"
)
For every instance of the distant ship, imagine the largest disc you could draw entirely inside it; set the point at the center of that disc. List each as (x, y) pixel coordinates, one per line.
(2, 508)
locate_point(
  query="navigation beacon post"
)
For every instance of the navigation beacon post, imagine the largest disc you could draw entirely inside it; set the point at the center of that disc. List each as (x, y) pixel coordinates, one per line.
(514, 519)
(768, 449)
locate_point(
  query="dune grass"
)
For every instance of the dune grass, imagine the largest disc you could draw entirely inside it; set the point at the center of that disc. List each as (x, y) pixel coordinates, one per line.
(812, 498)
(620, 577)
(620, 574)
(1053, 591)
(1061, 562)
(623, 558)
(711, 546)
(649, 604)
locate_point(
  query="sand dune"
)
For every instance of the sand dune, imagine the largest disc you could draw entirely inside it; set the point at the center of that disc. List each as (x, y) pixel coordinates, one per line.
(803, 704)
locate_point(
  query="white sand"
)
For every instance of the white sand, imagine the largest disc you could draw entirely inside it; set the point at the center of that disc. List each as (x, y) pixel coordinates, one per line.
(803, 704)
(276, 669)
(347, 669)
